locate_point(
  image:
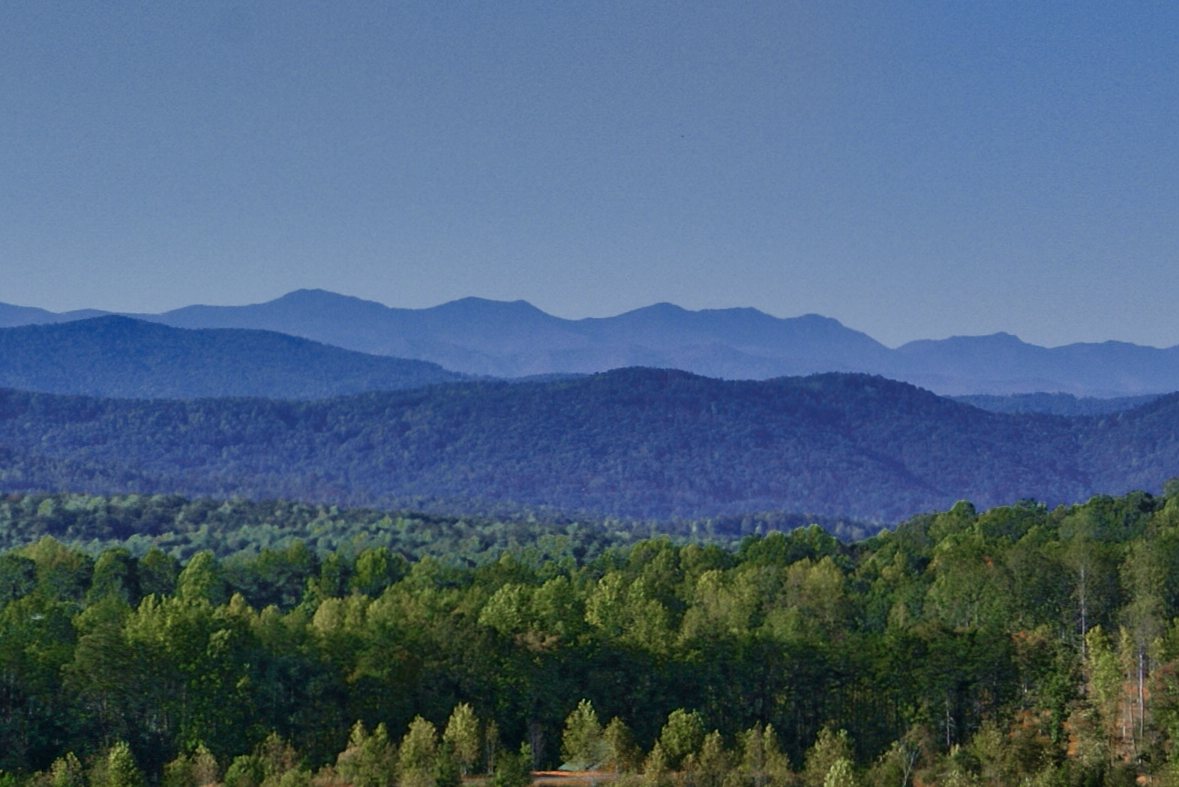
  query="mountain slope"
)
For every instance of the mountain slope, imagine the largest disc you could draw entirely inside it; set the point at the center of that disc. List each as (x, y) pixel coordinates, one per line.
(120, 357)
(636, 442)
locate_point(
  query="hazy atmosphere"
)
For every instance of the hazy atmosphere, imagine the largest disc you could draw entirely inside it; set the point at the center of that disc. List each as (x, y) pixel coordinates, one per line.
(912, 169)
(827, 454)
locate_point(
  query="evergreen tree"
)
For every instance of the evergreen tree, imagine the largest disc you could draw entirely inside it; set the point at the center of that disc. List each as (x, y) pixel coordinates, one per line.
(681, 735)
(582, 743)
(417, 756)
(462, 736)
(121, 768)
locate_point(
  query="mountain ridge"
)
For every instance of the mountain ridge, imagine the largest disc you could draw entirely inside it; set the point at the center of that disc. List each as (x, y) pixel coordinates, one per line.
(639, 443)
(516, 339)
(118, 356)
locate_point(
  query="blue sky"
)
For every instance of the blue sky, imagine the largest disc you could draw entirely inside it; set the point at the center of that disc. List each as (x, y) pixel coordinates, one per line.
(912, 169)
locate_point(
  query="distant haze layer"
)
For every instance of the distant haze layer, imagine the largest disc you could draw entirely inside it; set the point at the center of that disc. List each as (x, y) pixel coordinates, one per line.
(514, 339)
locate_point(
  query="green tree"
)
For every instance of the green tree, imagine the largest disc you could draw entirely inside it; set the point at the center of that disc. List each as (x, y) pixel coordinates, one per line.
(116, 574)
(712, 764)
(621, 752)
(417, 756)
(841, 774)
(376, 569)
(462, 736)
(656, 768)
(681, 735)
(197, 769)
(894, 767)
(368, 760)
(67, 771)
(762, 760)
(121, 769)
(18, 577)
(202, 580)
(830, 746)
(513, 770)
(157, 573)
(582, 744)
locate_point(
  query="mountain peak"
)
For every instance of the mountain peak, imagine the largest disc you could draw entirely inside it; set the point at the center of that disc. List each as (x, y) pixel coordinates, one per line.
(317, 296)
(475, 306)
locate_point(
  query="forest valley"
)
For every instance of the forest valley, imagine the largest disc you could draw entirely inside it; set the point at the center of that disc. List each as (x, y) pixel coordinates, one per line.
(1020, 645)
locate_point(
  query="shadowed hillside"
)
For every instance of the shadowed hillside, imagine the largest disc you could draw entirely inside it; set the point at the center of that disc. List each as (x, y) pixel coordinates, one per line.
(121, 357)
(635, 442)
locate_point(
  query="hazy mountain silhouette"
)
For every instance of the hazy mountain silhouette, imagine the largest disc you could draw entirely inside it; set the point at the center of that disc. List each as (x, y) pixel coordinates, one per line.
(1055, 403)
(122, 357)
(11, 316)
(514, 339)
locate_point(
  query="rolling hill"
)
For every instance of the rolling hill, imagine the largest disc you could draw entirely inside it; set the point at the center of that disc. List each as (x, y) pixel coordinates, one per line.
(120, 357)
(634, 443)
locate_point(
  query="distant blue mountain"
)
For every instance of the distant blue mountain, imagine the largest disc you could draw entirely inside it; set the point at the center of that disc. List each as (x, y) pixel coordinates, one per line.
(512, 339)
(11, 316)
(116, 356)
(1055, 403)
(638, 443)
(515, 339)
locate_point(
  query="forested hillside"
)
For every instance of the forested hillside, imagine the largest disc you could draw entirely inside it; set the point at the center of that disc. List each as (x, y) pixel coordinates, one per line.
(181, 527)
(1021, 645)
(121, 357)
(635, 443)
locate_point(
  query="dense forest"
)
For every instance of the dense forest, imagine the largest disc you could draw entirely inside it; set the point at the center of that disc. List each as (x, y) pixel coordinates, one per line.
(1018, 645)
(182, 527)
(636, 443)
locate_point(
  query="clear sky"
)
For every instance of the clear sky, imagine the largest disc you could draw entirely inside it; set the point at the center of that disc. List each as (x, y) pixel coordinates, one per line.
(912, 169)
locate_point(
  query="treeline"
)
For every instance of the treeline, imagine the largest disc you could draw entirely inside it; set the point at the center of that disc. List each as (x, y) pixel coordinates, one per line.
(1019, 645)
(181, 527)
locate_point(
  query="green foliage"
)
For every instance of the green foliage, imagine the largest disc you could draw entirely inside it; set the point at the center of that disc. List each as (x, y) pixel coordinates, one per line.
(462, 738)
(712, 764)
(513, 770)
(830, 748)
(582, 743)
(418, 754)
(621, 753)
(841, 774)
(762, 760)
(681, 735)
(202, 580)
(892, 655)
(121, 769)
(656, 768)
(67, 771)
(192, 770)
(369, 760)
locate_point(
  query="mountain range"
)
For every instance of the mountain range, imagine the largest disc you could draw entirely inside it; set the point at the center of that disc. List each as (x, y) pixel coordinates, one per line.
(635, 443)
(513, 339)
